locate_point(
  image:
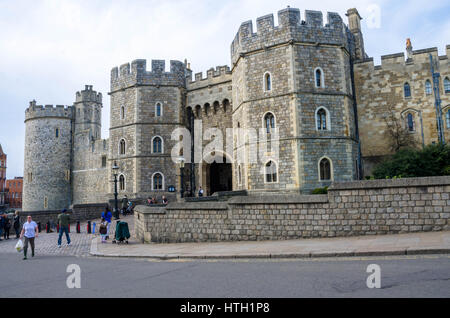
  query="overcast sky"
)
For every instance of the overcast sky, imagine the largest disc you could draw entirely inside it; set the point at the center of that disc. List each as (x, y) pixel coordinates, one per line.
(51, 49)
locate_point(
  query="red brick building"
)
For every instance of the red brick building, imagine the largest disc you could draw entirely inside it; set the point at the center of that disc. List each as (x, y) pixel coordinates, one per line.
(2, 177)
(14, 192)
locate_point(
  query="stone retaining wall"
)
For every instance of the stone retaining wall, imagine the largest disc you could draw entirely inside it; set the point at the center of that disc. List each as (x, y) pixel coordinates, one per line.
(349, 209)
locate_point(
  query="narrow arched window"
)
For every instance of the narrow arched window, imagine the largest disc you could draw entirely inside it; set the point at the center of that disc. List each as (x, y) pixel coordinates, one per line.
(158, 110)
(239, 175)
(122, 183)
(271, 172)
(267, 82)
(122, 147)
(325, 169)
(122, 112)
(410, 122)
(57, 132)
(428, 89)
(157, 145)
(198, 111)
(407, 90)
(216, 106)
(446, 85)
(157, 181)
(321, 118)
(269, 122)
(226, 104)
(318, 78)
(447, 118)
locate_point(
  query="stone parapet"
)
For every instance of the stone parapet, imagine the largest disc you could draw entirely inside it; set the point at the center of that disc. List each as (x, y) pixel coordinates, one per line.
(350, 209)
(290, 28)
(48, 111)
(137, 74)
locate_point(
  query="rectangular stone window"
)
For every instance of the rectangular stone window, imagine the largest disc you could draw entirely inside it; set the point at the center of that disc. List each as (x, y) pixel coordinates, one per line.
(30, 177)
(45, 203)
(67, 175)
(103, 161)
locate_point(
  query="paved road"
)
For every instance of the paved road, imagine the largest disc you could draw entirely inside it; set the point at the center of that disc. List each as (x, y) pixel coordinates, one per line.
(45, 276)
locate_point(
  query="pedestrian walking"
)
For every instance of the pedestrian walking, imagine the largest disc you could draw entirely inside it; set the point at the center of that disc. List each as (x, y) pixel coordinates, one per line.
(103, 230)
(6, 227)
(164, 200)
(107, 215)
(2, 224)
(16, 224)
(129, 207)
(30, 231)
(200, 192)
(124, 204)
(63, 220)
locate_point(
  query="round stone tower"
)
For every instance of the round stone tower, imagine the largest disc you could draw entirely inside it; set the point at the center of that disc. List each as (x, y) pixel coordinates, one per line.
(47, 162)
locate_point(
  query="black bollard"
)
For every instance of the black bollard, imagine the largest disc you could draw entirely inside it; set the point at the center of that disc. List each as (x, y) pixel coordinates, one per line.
(78, 227)
(48, 227)
(89, 227)
(39, 227)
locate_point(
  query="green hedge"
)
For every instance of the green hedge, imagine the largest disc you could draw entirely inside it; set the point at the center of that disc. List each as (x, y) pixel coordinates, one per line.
(433, 160)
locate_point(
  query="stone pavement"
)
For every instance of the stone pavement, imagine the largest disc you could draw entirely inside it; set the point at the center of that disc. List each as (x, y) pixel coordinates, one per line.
(400, 244)
(47, 243)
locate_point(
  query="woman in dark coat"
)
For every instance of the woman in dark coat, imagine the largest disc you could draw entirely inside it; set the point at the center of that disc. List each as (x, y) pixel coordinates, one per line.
(16, 224)
(6, 227)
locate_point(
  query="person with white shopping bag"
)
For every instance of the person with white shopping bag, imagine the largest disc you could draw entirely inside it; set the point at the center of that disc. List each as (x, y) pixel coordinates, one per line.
(30, 231)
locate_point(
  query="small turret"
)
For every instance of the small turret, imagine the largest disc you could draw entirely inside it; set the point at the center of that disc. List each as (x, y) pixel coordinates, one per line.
(354, 24)
(88, 114)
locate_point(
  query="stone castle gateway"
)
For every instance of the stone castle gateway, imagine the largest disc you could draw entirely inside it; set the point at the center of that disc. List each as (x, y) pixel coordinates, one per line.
(308, 78)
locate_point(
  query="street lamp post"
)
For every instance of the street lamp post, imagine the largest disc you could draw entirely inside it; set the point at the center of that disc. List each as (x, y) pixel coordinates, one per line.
(181, 161)
(116, 208)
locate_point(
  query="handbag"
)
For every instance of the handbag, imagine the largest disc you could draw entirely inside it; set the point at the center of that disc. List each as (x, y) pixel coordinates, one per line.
(103, 229)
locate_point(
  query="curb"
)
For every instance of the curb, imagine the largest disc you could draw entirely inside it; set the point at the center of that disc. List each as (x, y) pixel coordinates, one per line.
(307, 255)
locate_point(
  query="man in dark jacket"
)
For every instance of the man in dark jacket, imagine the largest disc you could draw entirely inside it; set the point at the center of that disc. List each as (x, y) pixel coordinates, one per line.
(2, 224)
(16, 224)
(63, 220)
(6, 227)
(124, 205)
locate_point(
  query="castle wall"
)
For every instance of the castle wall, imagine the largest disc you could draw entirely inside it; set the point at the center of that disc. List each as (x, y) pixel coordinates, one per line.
(380, 89)
(47, 161)
(291, 53)
(350, 209)
(138, 91)
(210, 99)
(90, 177)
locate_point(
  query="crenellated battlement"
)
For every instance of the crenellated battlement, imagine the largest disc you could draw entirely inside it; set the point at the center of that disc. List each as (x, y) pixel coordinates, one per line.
(290, 28)
(40, 111)
(88, 95)
(128, 75)
(418, 58)
(213, 76)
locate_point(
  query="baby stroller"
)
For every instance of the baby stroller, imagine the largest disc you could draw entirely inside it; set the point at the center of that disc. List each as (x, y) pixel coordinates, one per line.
(122, 233)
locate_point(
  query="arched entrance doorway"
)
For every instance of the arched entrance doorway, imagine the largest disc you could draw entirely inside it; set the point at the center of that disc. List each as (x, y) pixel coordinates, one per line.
(217, 175)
